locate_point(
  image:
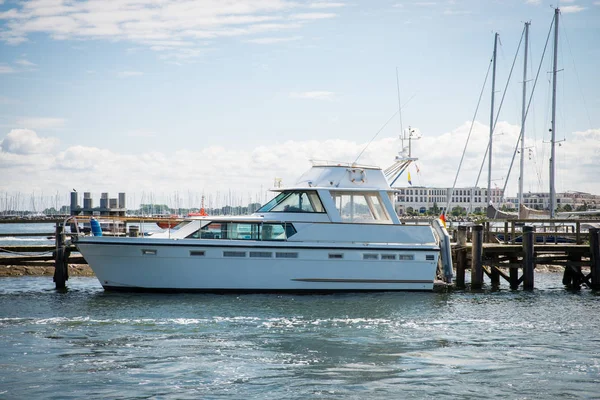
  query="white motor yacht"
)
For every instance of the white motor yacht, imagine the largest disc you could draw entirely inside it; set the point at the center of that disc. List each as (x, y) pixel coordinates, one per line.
(334, 230)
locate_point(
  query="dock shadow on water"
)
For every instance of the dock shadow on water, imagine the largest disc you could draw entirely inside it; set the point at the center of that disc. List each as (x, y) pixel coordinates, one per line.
(455, 344)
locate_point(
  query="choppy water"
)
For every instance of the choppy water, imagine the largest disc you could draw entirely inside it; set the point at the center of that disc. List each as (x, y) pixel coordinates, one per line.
(87, 343)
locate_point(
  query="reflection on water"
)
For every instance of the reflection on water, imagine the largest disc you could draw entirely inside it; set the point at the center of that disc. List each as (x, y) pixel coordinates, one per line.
(87, 342)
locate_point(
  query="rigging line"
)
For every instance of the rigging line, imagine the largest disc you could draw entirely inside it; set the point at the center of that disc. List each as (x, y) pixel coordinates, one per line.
(399, 103)
(528, 104)
(576, 73)
(380, 129)
(467, 141)
(500, 107)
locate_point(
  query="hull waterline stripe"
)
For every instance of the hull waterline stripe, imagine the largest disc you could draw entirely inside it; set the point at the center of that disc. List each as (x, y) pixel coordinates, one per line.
(252, 291)
(334, 280)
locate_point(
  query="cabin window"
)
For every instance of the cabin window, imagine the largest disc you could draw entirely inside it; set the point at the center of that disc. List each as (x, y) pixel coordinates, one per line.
(388, 256)
(406, 257)
(245, 231)
(364, 207)
(148, 252)
(336, 255)
(295, 201)
(286, 255)
(234, 254)
(261, 254)
(196, 253)
(369, 256)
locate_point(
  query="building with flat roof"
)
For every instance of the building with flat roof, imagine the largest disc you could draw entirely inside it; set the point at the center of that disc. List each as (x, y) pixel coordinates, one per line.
(473, 200)
(422, 199)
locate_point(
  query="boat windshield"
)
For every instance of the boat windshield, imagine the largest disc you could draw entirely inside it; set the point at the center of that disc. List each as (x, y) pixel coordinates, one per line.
(304, 201)
(361, 207)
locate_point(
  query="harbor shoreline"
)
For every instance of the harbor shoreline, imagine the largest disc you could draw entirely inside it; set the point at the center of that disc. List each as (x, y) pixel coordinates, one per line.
(30, 270)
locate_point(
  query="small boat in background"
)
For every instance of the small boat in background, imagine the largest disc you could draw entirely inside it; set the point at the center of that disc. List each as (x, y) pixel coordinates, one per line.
(174, 219)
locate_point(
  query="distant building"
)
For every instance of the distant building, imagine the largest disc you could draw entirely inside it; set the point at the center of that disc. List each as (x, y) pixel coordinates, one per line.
(422, 199)
(473, 200)
(108, 207)
(575, 200)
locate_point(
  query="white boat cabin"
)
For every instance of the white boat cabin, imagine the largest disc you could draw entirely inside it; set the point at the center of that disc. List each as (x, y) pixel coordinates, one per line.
(327, 195)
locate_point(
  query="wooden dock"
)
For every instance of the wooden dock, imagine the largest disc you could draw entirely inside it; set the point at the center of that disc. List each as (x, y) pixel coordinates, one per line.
(516, 263)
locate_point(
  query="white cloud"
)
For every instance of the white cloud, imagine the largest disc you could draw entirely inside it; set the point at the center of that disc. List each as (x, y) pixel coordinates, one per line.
(27, 161)
(316, 95)
(571, 9)
(325, 4)
(127, 74)
(6, 69)
(40, 122)
(597, 3)
(25, 63)
(273, 40)
(312, 16)
(165, 26)
(25, 142)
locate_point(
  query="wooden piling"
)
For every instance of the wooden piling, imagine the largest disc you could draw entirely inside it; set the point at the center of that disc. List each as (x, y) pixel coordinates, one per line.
(595, 257)
(528, 257)
(461, 236)
(477, 258)
(461, 256)
(514, 274)
(134, 231)
(61, 256)
(494, 273)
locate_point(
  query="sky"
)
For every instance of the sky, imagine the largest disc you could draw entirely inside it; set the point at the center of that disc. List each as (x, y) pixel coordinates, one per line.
(171, 100)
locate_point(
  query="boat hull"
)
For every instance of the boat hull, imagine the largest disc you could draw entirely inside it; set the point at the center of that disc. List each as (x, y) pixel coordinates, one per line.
(240, 267)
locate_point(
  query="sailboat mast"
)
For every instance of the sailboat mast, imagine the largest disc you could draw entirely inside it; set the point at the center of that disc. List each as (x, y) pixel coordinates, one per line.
(553, 140)
(489, 188)
(522, 164)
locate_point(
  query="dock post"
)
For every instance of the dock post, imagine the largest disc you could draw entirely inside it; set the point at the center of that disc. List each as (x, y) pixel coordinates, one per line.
(528, 260)
(134, 231)
(477, 258)
(494, 273)
(61, 257)
(512, 232)
(461, 256)
(514, 274)
(461, 236)
(595, 257)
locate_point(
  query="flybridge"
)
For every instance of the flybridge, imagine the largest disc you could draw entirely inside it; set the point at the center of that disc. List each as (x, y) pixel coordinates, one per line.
(343, 176)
